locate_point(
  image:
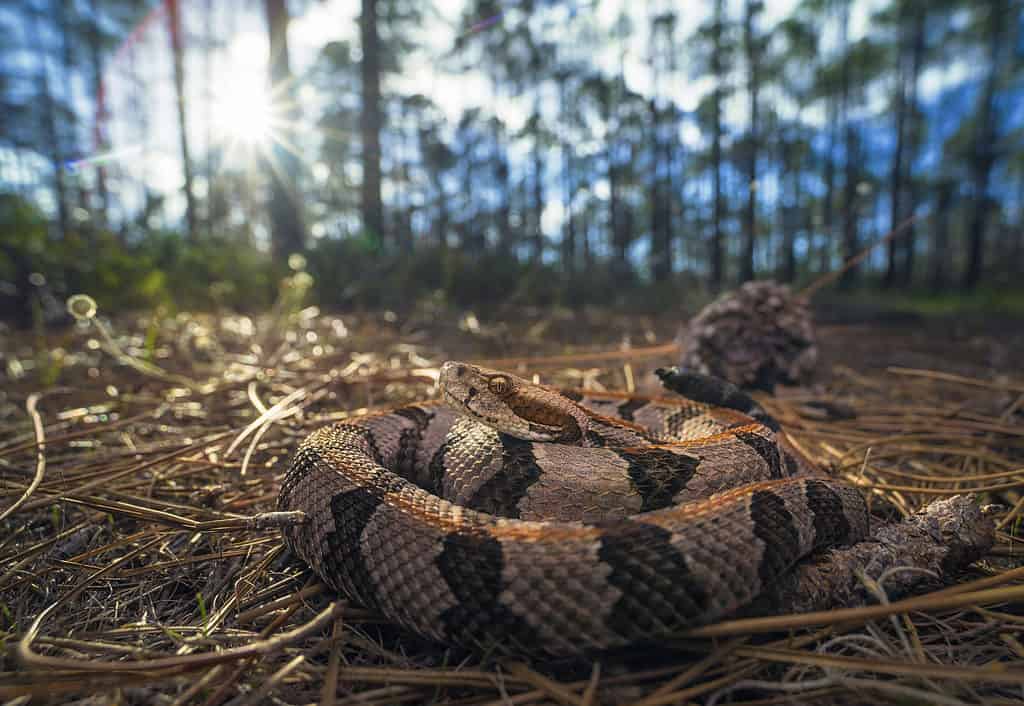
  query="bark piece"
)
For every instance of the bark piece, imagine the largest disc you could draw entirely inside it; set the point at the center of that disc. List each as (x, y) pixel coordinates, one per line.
(942, 538)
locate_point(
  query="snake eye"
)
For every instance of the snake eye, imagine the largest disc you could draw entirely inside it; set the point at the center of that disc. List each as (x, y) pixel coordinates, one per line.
(499, 385)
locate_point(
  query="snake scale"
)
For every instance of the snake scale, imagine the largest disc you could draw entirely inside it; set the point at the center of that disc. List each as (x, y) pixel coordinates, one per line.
(560, 521)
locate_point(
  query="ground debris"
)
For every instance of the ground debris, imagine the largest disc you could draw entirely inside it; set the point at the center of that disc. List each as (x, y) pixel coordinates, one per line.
(756, 337)
(146, 539)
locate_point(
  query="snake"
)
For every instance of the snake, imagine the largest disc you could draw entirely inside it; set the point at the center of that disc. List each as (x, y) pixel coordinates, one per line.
(563, 521)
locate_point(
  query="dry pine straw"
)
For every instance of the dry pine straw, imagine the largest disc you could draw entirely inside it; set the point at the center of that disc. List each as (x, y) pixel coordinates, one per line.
(137, 564)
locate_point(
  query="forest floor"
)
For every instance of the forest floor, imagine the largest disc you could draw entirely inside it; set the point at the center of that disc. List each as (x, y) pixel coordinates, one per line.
(138, 450)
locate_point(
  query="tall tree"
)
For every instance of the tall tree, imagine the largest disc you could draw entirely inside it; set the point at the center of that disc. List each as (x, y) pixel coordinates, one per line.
(68, 25)
(828, 87)
(563, 77)
(174, 27)
(753, 50)
(1016, 173)
(335, 75)
(97, 42)
(916, 129)
(793, 63)
(860, 64)
(501, 179)
(599, 97)
(849, 241)
(663, 142)
(535, 127)
(516, 58)
(438, 160)
(371, 120)
(713, 42)
(907, 18)
(288, 233)
(896, 174)
(946, 192)
(467, 224)
(632, 121)
(995, 19)
(52, 140)
(718, 69)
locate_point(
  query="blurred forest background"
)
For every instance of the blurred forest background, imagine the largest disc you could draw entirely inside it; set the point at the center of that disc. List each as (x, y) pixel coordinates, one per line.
(193, 153)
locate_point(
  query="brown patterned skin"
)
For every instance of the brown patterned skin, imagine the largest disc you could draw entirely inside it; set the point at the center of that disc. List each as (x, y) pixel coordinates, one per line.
(657, 542)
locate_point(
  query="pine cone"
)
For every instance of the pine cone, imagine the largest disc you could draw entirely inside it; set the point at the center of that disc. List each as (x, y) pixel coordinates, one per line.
(755, 337)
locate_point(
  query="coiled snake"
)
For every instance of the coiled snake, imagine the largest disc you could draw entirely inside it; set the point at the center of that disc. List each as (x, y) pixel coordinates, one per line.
(560, 521)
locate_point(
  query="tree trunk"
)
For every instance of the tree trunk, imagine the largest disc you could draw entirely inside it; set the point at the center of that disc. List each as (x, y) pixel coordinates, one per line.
(850, 207)
(53, 146)
(177, 54)
(753, 86)
(666, 203)
(915, 133)
(619, 244)
(568, 186)
(443, 219)
(626, 229)
(371, 121)
(983, 150)
(809, 228)
(288, 233)
(587, 252)
(851, 171)
(210, 212)
(717, 70)
(65, 15)
(538, 194)
(569, 234)
(472, 228)
(506, 238)
(896, 169)
(99, 127)
(828, 210)
(618, 235)
(788, 215)
(661, 243)
(940, 227)
(671, 155)
(403, 195)
(1017, 261)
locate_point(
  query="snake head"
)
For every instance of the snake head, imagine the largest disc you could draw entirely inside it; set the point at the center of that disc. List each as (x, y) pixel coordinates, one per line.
(511, 405)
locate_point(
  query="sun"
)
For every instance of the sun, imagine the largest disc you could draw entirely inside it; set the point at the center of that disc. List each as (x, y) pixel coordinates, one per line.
(251, 118)
(243, 102)
(244, 112)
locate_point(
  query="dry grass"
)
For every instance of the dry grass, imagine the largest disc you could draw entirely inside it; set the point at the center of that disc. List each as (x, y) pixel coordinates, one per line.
(136, 565)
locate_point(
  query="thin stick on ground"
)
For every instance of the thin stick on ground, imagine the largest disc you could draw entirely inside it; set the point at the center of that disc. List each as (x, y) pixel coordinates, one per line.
(830, 277)
(31, 406)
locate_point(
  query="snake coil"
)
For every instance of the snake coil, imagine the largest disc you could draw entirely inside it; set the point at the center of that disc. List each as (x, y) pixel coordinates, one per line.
(560, 521)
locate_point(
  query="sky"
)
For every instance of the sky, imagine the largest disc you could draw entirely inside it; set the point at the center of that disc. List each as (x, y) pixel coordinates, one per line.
(236, 77)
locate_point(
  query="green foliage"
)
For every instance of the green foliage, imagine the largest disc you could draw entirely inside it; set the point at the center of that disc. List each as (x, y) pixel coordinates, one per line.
(354, 273)
(218, 272)
(163, 270)
(160, 270)
(949, 304)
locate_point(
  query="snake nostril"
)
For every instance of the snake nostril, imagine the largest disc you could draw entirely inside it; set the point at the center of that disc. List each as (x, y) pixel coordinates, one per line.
(472, 392)
(460, 370)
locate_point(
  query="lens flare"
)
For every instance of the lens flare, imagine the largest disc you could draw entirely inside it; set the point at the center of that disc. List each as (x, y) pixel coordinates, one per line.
(245, 113)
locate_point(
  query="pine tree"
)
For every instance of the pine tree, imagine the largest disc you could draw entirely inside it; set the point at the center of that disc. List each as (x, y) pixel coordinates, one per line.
(288, 232)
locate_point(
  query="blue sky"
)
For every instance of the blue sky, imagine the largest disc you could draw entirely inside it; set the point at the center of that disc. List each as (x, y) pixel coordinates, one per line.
(238, 78)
